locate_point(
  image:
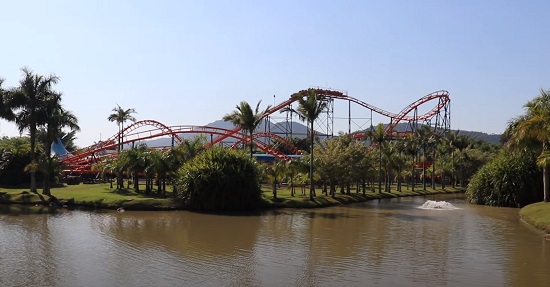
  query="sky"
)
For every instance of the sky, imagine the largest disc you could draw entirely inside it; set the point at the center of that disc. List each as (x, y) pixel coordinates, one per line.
(191, 62)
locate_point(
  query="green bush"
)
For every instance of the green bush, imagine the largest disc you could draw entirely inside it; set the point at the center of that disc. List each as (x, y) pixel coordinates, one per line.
(219, 180)
(511, 179)
(73, 180)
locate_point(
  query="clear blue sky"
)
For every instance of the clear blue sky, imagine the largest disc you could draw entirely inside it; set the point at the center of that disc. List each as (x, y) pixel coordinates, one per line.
(191, 62)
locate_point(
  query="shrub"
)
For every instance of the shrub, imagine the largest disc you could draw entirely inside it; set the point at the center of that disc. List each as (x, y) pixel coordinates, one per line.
(73, 180)
(511, 179)
(219, 180)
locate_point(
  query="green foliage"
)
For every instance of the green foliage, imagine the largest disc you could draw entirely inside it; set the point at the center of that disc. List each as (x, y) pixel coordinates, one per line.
(219, 180)
(511, 179)
(14, 157)
(247, 119)
(73, 180)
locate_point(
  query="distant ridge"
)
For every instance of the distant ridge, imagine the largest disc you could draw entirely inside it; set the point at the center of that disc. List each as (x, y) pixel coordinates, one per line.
(299, 130)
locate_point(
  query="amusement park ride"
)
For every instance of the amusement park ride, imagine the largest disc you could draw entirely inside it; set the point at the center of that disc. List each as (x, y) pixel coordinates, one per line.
(438, 118)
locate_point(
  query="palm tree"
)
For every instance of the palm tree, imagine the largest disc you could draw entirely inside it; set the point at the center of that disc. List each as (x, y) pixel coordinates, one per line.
(378, 136)
(310, 106)
(247, 119)
(5, 111)
(134, 160)
(461, 143)
(27, 99)
(120, 116)
(450, 140)
(426, 139)
(535, 125)
(411, 149)
(56, 118)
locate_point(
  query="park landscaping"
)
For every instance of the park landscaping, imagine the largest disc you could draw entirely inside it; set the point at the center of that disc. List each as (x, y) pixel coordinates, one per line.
(102, 196)
(537, 215)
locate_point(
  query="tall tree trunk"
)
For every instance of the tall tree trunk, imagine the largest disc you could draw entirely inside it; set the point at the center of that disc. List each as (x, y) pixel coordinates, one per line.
(251, 147)
(424, 168)
(379, 167)
(546, 183)
(442, 179)
(433, 170)
(46, 181)
(461, 170)
(311, 187)
(413, 177)
(33, 155)
(453, 169)
(136, 183)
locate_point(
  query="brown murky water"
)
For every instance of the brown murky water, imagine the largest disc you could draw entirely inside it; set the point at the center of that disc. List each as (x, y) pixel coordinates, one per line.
(378, 243)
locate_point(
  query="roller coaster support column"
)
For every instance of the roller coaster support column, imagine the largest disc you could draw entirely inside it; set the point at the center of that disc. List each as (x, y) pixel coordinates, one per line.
(349, 117)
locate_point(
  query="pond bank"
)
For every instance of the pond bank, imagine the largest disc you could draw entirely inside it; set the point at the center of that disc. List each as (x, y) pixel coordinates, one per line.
(537, 215)
(102, 196)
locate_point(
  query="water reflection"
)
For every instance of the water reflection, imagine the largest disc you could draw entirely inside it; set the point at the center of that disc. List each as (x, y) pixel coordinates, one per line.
(378, 243)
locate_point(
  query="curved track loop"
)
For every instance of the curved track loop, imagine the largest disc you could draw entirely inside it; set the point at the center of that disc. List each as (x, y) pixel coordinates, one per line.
(84, 158)
(82, 155)
(442, 96)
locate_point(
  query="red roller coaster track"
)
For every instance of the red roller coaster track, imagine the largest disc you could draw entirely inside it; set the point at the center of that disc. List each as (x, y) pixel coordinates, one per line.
(82, 158)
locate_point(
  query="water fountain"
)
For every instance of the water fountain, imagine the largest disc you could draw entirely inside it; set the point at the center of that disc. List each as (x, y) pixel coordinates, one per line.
(437, 205)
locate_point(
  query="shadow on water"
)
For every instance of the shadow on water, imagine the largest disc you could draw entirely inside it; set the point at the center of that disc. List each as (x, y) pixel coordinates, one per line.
(412, 217)
(331, 215)
(25, 209)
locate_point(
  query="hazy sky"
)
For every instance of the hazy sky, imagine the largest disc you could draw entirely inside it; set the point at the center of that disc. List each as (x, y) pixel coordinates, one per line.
(191, 62)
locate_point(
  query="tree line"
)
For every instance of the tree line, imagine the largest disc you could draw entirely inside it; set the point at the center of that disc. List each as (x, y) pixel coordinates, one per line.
(375, 161)
(35, 107)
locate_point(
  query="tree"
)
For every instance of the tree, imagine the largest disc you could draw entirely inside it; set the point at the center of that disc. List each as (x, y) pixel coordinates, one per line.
(26, 100)
(247, 119)
(426, 138)
(5, 111)
(56, 118)
(120, 116)
(378, 136)
(535, 125)
(461, 143)
(274, 172)
(310, 106)
(411, 149)
(219, 180)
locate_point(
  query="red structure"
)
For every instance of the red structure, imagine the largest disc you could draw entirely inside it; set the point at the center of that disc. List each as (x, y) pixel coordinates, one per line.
(437, 117)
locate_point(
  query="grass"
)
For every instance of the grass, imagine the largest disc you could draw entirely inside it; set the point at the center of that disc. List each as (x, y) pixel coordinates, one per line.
(301, 200)
(90, 195)
(102, 196)
(538, 215)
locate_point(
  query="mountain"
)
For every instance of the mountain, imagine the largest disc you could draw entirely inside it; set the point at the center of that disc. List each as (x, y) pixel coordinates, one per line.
(300, 130)
(491, 138)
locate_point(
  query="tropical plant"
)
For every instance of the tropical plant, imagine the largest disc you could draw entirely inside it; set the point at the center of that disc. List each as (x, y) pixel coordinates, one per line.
(136, 161)
(247, 119)
(310, 106)
(14, 156)
(411, 149)
(6, 112)
(219, 180)
(120, 116)
(461, 143)
(509, 179)
(55, 119)
(26, 100)
(378, 136)
(275, 172)
(535, 126)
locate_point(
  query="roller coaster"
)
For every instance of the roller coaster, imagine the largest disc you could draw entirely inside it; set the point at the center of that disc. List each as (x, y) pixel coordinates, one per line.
(438, 118)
